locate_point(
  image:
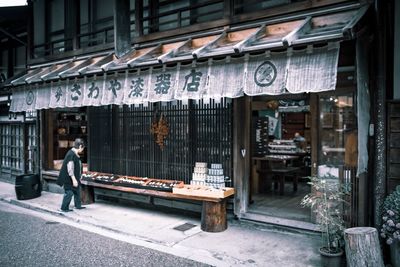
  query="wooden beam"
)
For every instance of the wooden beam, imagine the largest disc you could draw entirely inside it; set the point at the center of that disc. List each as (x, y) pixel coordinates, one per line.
(250, 39)
(12, 36)
(119, 61)
(293, 35)
(57, 70)
(21, 80)
(198, 52)
(99, 63)
(173, 52)
(348, 30)
(140, 58)
(81, 65)
(37, 77)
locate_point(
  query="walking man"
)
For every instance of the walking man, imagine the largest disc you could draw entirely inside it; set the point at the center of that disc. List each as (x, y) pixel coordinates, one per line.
(70, 176)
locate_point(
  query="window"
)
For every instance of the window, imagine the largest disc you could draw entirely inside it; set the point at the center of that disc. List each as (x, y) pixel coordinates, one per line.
(338, 133)
(12, 151)
(96, 22)
(32, 161)
(65, 126)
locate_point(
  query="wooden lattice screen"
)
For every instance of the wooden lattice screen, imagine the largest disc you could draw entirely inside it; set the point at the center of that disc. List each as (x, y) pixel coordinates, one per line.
(120, 141)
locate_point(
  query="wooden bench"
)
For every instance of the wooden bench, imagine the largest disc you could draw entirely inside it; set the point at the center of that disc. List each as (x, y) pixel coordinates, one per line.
(213, 215)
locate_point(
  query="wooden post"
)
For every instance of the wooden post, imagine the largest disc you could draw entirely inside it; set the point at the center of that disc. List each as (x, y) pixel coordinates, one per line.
(213, 216)
(362, 247)
(87, 194)
(122, 27)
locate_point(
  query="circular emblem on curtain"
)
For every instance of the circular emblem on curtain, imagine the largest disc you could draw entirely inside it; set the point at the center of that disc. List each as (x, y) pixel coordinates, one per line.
(30, 97)
(265, 74)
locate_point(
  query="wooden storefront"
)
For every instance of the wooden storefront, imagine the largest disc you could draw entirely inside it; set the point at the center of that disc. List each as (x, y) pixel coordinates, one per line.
(214, 125)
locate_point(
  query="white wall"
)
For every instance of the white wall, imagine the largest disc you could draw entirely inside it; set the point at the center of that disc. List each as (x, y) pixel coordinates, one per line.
(396, 76)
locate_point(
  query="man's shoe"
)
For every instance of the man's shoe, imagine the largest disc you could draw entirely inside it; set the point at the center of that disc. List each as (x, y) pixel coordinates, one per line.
(68, 210)
(80, 208)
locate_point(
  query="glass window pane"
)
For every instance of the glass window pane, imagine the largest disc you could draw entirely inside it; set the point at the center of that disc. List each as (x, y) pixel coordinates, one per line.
(338, 133)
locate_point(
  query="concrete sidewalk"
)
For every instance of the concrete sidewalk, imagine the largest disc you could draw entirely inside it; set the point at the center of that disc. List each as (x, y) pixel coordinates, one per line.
(242, 244)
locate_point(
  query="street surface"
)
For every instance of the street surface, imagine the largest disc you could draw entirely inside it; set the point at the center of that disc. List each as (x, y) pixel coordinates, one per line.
(27, 239)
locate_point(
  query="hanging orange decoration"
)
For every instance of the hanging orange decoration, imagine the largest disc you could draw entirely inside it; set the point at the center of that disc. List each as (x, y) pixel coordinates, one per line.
(160, 130)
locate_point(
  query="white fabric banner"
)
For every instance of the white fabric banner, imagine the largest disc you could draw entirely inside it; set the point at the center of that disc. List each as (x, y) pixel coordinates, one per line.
(43, 96)
(313, 69)
(113, 92)
(75, 93)
(58, 94)
(93, 90)
(31, 96)
(137, 86)
(24, 99)
(192, 81)
(162, 84)
(17, 99)
(226, 78)
(309, 70)
(265, 74)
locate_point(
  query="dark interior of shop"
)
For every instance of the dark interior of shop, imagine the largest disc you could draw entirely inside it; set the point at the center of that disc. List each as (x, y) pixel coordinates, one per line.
(281, 161)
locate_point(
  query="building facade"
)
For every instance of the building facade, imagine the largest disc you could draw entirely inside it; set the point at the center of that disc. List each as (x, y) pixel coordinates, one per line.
(235, 81)
(18, 131)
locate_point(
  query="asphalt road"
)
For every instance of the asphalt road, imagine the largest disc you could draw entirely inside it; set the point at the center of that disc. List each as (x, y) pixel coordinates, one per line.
(26, 240)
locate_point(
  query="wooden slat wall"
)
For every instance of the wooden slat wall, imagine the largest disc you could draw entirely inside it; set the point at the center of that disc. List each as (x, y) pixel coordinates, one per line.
(121, 142)
(393, 167)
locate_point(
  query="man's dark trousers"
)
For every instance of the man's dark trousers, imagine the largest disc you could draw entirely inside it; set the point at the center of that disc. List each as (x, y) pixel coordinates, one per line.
(74, 191)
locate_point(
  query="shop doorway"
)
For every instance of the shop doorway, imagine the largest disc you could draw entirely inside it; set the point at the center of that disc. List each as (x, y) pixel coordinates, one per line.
(294, 137)
(281, 157)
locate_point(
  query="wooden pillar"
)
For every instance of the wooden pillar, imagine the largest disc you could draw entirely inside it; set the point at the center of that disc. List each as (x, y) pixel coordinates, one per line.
(71, 24)
(380, 72)
(241, 153)
(10, 59)
(314, 114)
(213, 216)
(122, 27)
(228, 8)
(154, 20)
(139, 17)
(30, 31)
(362, 247)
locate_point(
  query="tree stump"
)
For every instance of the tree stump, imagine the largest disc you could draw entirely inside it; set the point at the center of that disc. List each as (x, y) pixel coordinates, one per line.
(362, 247)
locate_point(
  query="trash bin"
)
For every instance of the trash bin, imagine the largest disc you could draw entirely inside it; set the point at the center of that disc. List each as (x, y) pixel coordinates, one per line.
(28, 186)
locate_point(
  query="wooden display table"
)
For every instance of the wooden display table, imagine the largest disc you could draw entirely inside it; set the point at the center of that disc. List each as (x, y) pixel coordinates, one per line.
(213, 215)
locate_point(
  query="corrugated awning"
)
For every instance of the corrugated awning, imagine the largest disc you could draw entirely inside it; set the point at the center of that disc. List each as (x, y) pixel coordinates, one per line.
(200, 55)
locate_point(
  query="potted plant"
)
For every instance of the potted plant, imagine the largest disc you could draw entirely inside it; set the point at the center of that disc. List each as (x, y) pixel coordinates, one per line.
(390, 230)
(326, 201)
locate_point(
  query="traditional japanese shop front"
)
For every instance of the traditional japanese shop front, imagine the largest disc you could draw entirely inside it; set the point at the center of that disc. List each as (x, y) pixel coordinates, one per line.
(158, 110)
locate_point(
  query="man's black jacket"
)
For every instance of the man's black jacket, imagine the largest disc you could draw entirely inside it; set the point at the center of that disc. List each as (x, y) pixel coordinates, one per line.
(63, 178)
